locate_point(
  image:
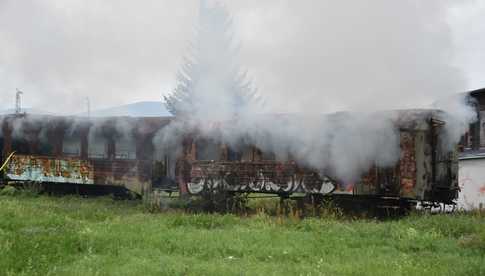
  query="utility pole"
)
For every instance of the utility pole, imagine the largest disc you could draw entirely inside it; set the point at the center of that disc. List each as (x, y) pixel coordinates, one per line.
(88, 105)
(18, 104)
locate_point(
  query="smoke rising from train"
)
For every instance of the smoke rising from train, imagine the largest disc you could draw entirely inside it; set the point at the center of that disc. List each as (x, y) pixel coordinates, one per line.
(343, 144)
(328, 55)
(307, 57)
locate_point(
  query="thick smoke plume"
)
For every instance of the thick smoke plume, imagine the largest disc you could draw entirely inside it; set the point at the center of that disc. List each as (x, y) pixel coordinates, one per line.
(344, 144)
(211, 75)
(459, 112)
(319, 55)
(307, 57)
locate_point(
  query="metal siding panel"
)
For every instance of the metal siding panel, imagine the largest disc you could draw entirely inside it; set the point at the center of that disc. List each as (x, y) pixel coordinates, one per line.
(407, 165)
(262, 176)
(47, 169)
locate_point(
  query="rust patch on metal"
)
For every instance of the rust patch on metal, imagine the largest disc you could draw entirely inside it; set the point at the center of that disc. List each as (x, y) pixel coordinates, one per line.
(407, 164)
(49, 169)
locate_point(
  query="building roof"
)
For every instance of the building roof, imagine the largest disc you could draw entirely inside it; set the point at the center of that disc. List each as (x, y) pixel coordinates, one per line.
(477, 92)
(472, 154)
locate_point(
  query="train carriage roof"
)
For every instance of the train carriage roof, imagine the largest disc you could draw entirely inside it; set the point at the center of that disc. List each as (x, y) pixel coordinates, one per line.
(405, 118)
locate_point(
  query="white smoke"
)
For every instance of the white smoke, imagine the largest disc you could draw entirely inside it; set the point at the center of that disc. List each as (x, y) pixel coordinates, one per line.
(42, 128)
(211, 75)
(308, 58)
(344, 145)
(459, 112)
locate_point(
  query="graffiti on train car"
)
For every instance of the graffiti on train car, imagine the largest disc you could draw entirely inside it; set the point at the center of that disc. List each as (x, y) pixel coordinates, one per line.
(270, 177)
(48, 169)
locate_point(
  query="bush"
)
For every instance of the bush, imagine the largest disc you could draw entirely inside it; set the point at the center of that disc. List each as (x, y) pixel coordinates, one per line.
(9, 191)
(32, 188)
(473, 241)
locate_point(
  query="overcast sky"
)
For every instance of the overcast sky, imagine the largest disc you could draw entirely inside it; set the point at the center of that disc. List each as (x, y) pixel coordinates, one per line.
(307, 54)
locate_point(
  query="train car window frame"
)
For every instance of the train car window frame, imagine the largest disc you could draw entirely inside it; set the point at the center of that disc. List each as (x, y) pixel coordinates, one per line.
(125, 148)
(206, 145)
(45, 147)
(268, 156)
(234, 155)
(92, 154)
(76, 141)
(21, 146)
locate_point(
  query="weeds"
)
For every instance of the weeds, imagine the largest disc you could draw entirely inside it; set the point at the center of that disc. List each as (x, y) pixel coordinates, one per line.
(473, 241)
(8, 191)
(42, 235)
(28, 189)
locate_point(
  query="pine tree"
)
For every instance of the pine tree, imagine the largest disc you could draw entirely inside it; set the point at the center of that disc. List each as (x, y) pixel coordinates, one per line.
(210, 79)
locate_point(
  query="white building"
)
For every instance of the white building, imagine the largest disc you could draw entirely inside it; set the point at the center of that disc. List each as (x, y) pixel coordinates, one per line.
(472, 160)
(472, 182)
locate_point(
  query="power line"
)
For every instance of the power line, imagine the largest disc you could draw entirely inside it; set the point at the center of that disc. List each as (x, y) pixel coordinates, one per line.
(88, 105)
(18, 103)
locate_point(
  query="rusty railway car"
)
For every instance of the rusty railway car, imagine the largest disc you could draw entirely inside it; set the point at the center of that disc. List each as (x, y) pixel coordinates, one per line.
(426, 171)
(98, 155)
(123, 153)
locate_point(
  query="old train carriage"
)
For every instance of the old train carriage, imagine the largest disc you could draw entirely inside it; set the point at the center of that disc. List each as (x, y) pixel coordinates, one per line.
(108, 154)
(425, 172)
(124, 153)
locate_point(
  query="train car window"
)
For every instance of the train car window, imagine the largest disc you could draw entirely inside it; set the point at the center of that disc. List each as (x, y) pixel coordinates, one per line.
(98, 148)
(160, 169)
(159, 172)
(208, 150)
(161, 156)
(474, 135)
(20, 146)
(163, 173)
(259, 155)
(159, 153)
(45, 147)
(125, 148)
(270, 156)
(467, 141)
(170, 163)
(71, 146)
(247, 153)
(233, 155)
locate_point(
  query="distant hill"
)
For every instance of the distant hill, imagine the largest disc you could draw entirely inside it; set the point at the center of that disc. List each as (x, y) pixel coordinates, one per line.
(139, 109)
(26, 110)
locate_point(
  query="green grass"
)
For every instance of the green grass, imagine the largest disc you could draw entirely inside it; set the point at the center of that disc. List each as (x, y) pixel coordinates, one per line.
(74, 236)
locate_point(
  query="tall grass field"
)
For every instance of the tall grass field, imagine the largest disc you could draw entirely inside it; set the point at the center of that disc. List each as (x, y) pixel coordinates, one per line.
(42, 235)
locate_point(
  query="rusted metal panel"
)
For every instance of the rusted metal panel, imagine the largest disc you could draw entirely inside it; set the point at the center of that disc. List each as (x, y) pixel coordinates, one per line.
(49, 169)
(287, 177)
(30, 134)
(407, 165)
(133, 174)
